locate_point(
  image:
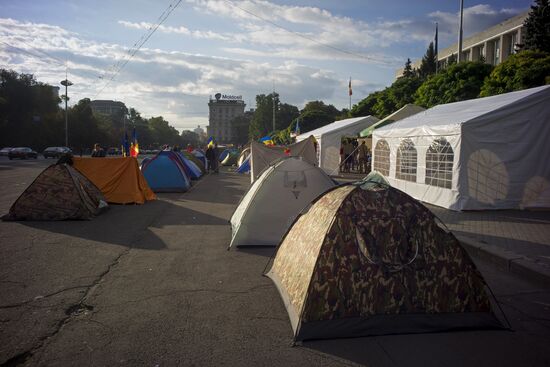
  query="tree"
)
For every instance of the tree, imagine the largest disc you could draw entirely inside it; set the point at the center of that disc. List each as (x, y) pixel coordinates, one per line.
(286, 113)
(408, 71)
(456, 83)
(527, 69)
(537, 26)
(241, 125)
(190, 137)
(163, 133)
(84, 131)
(402, 91)
(365, 106)
(428, 64)
(316, 114)
(262, 121)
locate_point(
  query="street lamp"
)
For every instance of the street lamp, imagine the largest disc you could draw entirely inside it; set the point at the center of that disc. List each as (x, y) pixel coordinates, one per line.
(66, 83)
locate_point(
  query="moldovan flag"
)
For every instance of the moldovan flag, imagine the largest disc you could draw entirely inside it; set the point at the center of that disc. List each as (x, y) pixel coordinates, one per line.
(134, 147)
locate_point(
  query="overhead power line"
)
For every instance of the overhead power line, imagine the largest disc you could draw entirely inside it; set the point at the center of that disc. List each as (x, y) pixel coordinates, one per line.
(137, 45)
(341, 50)
(52, 58)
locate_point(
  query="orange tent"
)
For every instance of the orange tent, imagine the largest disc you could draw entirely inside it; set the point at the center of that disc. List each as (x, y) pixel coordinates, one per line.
(119, 179)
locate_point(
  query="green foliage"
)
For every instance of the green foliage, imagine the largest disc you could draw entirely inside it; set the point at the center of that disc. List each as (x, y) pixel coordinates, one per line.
(389, 100)
(316, 114)
(458, 82)
(262, 121)
(366, 105)
(537, 26)
(407, 70)
(189, 137)
(429, 61)
(526, 69)
(30, 115)
(241, 125)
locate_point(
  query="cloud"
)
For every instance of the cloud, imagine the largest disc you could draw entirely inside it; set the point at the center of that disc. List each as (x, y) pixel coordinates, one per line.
(176, 30)
(156, 82)
(476, 18)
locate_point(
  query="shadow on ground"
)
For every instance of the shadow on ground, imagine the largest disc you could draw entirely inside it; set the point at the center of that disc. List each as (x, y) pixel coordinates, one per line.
(120, 223)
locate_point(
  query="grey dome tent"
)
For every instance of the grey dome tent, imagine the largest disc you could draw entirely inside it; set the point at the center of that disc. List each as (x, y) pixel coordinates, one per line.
(274, 200)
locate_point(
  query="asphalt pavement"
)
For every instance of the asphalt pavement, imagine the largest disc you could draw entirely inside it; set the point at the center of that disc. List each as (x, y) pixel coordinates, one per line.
(153, 285)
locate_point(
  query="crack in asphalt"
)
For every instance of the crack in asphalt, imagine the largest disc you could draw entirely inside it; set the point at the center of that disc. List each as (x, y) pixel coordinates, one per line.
(38, 298)
(71, 311)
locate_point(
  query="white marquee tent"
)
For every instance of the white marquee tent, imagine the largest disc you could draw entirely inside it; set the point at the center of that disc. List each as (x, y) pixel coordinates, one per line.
(485, 153)
(329, 139)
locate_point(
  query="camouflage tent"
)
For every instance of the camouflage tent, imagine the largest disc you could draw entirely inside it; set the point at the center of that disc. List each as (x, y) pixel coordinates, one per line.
(367, 259)
(60, 192)
(274, 200)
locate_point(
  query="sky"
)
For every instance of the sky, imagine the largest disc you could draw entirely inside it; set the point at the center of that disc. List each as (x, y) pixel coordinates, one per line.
(305, 50)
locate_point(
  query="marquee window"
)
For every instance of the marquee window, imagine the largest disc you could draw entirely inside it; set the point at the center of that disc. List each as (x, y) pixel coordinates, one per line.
(382, 157)
(405, 168)
(439, 164)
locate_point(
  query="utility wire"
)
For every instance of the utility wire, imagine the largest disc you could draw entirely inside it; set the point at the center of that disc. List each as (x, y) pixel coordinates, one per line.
(137, 46)
(351, 53)
(35, 55)
(43, 52)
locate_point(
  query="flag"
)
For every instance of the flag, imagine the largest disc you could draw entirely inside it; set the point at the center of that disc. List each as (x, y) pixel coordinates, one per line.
(134, 147)
(349, 88)
(210, 142)
(266, 140)
(296, 130)
(125, 146)
(436, 40)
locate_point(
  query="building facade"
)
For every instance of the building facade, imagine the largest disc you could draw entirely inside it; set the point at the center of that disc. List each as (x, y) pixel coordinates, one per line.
(493, 45)
(108, 107)
(221, 110)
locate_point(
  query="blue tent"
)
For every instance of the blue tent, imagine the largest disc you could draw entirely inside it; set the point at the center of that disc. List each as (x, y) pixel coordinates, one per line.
(193, 171)
(224, 154)
(245, 166)
(166, 173)
(199, 154)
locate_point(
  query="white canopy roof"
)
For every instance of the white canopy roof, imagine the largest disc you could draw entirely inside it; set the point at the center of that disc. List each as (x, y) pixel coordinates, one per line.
(448, 117)
(335, 126)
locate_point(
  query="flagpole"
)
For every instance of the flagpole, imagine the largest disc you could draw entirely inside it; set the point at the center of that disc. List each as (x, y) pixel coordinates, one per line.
(350, 93)
(436, 51)
(459, 56)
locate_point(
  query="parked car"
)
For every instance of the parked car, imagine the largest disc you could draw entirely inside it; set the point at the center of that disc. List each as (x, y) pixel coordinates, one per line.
(4, 151)
(55, 152)
(22, 153)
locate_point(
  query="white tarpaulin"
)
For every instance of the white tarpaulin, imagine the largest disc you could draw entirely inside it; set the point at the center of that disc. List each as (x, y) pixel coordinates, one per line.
(329, 138)
(485, 153)
(263, 156)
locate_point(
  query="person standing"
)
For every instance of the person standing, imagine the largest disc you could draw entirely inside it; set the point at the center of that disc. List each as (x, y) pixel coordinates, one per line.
(362, 157)
(211, 156)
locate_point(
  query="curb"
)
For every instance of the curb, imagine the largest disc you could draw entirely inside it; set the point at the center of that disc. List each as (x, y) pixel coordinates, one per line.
(507, 260)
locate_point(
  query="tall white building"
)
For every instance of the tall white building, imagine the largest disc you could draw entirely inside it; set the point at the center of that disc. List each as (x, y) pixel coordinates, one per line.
(222, 109)
(493, 45)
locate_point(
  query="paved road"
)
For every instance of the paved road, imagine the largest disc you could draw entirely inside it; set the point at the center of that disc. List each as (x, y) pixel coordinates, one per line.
(153, 285)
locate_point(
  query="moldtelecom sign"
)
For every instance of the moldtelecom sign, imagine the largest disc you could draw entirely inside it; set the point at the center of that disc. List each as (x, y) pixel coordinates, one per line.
(228, 97)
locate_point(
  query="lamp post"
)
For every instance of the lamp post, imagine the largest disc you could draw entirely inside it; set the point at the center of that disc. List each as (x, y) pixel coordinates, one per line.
(66, 83)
